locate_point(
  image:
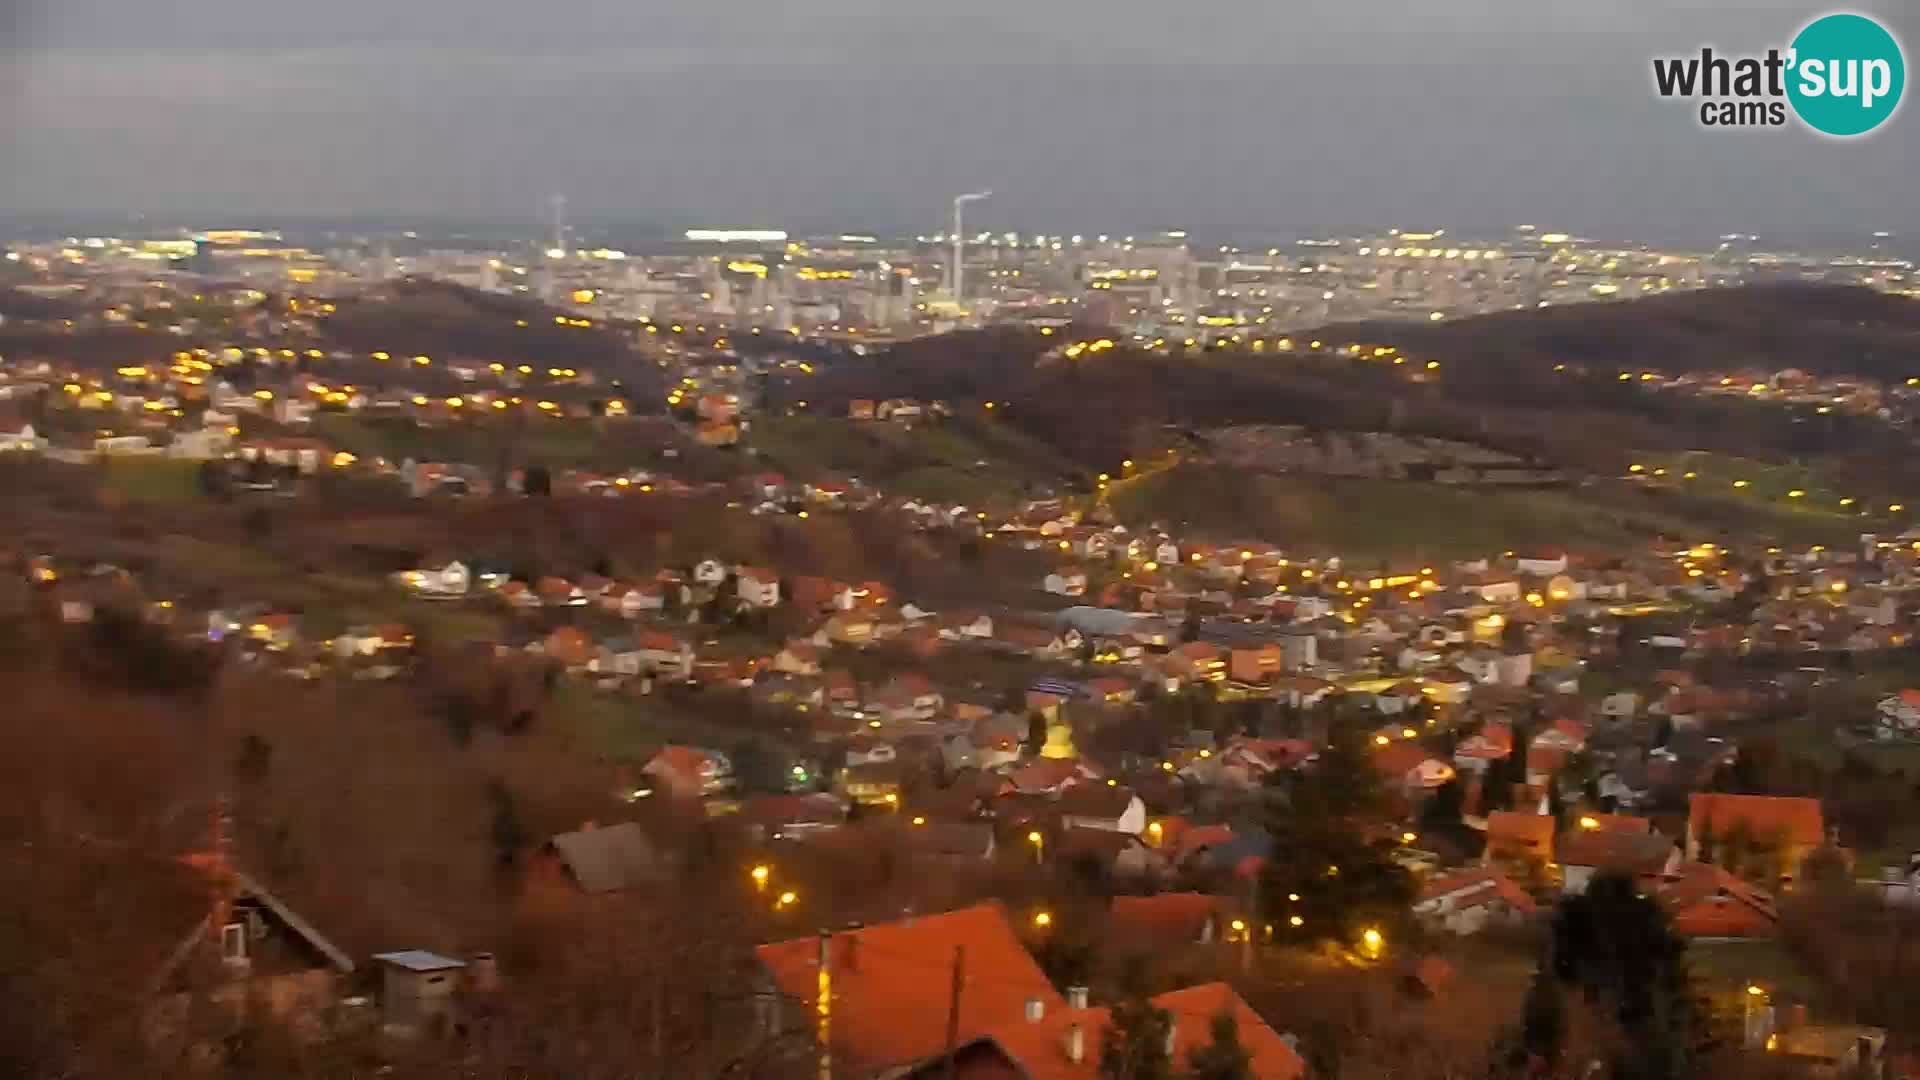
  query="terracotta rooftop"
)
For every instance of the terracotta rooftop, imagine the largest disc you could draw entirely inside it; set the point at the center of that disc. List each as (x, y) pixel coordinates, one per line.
(1798, 821)
(890, 983)
(1039, 1048)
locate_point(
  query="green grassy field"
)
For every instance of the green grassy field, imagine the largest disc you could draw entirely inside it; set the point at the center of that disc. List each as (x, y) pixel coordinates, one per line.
(612, 727)
(151, 479)
(965, 461)
(1799, 493)
(559, 444)
(1365, 517)
(1389, 518)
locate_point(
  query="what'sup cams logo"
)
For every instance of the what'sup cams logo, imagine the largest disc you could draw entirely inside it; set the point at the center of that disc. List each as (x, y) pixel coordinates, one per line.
(1843, 75)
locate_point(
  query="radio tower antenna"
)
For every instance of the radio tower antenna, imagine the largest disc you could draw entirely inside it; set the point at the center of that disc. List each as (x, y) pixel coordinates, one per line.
(558, 205)
(960, 239)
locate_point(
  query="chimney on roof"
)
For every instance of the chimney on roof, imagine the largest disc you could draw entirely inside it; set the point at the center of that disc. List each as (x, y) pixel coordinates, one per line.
(1076, 997)
(1036, 1010)
(483, 972)
(1173, 1028)
(1076, 1044)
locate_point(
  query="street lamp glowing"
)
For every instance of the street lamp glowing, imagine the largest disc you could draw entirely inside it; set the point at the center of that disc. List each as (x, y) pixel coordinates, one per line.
(1034, 838)
(760, 874)
(1043, 920)
(787, 899)
(1296, 921)
(1373, 942)
(1408, 838)
(1589, 823)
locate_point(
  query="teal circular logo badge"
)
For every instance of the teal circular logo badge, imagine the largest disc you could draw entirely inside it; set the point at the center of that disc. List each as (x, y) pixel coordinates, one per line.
(1846, 74)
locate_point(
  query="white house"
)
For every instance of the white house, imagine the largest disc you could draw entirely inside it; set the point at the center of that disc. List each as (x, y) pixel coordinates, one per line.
(710, 572)
(633, 601)
(1622, 705)
(1513, 668)
(1899, 715)
(1097, 806)
(23, 441)
(757, 587)
(971, 625)
(1541, 564)
(1505, 591)
(1481, 663)
(1067, 581)
(453, 579)
(202, 445)
(666, 655)
(1471, 900)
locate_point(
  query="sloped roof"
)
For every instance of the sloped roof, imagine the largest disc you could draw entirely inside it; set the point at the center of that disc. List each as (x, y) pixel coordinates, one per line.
(1706, 901)
(1628, 852)
(1039, 1047)
(1166, 916)
(1476, 886)
(1534, 831)
(1095, 801)
(1764, 816)
(609, 859)
(890, 983)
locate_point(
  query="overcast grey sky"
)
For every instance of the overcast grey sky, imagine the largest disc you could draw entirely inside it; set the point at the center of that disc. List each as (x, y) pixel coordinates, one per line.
(1079, 113)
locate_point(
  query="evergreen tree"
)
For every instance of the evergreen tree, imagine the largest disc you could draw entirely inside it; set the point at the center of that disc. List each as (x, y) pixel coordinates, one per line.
(1320, 848)
(1445, 807)
(1134, 1045)
(1036, 733)
(1223, 1058)
(509, 835)
(1543, 1019)
(1616, 948)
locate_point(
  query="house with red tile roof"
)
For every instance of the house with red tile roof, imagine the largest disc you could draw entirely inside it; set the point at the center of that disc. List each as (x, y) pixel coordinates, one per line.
(686, 772)
(1587, 852)
(665, 654)
(1172, 918)
(559, 592)
(1493, 742)
(1514, 837)
(757, 586)
(632, 600)
(1196, 661)
(1065, 1044)
(1899, 714)
(1046, 776)
(887, 987)
(1247, 762)
(1408, 768)
(1565, 734)
(1703, 901)
(1468, 901)
(1792, 826)
(798, 657)
(570, 646)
